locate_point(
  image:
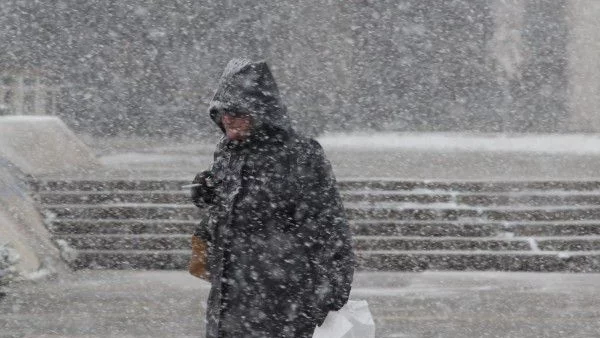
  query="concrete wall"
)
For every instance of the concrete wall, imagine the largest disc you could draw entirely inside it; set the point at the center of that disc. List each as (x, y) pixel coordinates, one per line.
(40, 145)
(21, 225)
(34, 146)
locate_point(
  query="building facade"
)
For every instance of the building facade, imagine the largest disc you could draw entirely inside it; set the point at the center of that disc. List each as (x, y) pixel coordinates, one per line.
(414, 65)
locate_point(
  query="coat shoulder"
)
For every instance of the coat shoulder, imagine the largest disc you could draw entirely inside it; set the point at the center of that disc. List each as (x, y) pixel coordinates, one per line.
(307, 148)
(222, 144)
(220, 148)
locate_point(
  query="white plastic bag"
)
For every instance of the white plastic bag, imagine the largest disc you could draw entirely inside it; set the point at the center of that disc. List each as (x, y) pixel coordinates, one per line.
(354, 320)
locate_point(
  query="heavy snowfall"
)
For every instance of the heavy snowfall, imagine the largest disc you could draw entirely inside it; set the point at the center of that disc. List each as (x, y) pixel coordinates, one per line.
(324, 169)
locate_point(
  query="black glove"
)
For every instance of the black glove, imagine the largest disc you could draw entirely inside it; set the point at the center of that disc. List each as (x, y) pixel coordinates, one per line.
(205, 191)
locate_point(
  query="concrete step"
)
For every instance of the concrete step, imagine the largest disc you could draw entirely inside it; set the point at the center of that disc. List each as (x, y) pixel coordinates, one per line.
(108, 185)
(346, 184)
(183, 197)
(579, 243)
(588, 261)
(121, 226)
(100, 197)
(361, 243)
(397, 225)
(354, 212)
(547, 214)
(556, 228)
(62, 226)
(371, 197)
(374, 243)
(553, 243)
(127, 242)
(447, 213)
(125, 211)
(363, 227)
(528, 198)
(183, 242)
(549, 261)
(425, 228)
(470, 186)
(132, 259)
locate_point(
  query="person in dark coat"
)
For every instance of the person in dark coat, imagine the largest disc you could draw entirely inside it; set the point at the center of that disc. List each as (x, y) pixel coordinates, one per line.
(280, 255)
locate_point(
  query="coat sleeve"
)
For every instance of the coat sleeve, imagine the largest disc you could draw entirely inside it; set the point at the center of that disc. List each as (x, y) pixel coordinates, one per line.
(204, 196)
(204, 193)
(329, 235)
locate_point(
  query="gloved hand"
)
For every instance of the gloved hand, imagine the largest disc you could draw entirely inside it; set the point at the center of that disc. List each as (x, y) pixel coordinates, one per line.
(205, 191)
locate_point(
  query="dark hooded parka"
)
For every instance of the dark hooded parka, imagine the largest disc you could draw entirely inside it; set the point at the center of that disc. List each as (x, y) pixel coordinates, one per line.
(280, 255)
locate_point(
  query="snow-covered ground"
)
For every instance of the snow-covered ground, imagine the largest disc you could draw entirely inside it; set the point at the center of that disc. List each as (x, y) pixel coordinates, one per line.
(451, 142)
(8, 259)
(439, 156)
(97, 304)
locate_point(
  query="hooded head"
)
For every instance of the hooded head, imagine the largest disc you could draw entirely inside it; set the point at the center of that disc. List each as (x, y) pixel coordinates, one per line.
(249, 87)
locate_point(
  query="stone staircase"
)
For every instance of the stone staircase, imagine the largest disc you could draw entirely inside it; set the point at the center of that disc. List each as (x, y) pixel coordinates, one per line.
(397, 225)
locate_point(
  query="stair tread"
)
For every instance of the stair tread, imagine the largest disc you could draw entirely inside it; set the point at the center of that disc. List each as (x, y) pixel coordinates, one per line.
(359, 222)
(354, 206)
(363, 237)
(482, 252)
(146, 235)
(490, 238)
(121, 220)
(382, 252)
(445, 193)
(137, 252)
(504, 223)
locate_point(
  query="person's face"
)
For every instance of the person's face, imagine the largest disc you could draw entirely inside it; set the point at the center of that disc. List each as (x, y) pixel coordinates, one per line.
(237, 126)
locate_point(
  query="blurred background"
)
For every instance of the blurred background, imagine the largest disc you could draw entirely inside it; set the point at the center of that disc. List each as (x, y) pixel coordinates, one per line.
(148, 68)
(464, 135)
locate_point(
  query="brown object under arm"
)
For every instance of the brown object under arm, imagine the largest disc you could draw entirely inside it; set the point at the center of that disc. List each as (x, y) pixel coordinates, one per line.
(199, 260)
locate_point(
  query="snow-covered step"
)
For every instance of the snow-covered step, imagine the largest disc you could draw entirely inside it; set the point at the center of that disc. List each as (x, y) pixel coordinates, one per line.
(108, 185)
(358, 227)
(354, 212)
(509, 214)
(570, 243)
(524, 198)
(131, 259)
(124, 211)
(183, 197)
(540, 198)
(345, 184)
(468, 186)
(127, 242)
(528, 198)
(387, 196)
(554, 228)
(408, 243)
(361, 243)
(374, 243)
(397, 225)
(61, 226)
(425, 228)
(546, 261)
(107, 197)
(190, 212)
(388, 260)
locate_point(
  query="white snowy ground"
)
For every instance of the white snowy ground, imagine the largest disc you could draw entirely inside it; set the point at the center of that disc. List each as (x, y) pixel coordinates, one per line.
(153, 304)
(433, 156)
(539, 143)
